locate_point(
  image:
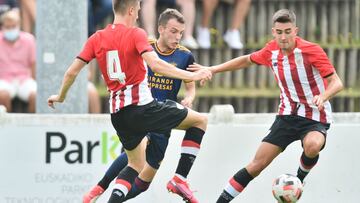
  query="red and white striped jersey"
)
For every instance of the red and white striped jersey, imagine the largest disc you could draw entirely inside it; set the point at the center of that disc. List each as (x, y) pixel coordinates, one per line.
(118, 50)
(300, 76)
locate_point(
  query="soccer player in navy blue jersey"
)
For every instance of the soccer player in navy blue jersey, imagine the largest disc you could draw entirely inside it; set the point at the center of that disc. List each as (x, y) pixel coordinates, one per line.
(163, 89)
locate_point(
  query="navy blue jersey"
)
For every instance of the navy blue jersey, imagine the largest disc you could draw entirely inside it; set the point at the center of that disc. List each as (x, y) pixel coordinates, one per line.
(163, 87)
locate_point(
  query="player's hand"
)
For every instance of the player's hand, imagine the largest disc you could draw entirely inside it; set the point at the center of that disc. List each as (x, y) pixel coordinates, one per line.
(319, 102)
(187, 102)
(202, 74)
(54, 98)
(196, 67)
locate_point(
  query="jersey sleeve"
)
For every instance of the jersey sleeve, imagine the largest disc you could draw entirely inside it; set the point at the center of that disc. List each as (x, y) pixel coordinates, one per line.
(321, 62)
(141, 41)
(88, 52)
(262, 56)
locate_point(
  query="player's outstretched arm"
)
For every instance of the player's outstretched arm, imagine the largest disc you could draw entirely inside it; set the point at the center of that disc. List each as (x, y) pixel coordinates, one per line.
(234, 64)
(68, 80)
(334, 86)
(161, 67)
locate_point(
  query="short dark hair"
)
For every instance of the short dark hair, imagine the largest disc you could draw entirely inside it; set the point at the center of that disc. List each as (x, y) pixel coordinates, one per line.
(284, 16)
(120, 6)
(169, 14)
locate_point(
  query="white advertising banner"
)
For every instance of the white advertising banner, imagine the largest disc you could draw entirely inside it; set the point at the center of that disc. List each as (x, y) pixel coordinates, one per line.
(53, 159)
(57, 158)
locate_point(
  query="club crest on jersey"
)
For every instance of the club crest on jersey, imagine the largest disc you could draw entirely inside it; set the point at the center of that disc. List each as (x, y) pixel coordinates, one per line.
(158, 75)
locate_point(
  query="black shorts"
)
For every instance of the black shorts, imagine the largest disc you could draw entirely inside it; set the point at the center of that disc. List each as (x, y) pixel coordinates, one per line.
(289, 128)
(133, 123)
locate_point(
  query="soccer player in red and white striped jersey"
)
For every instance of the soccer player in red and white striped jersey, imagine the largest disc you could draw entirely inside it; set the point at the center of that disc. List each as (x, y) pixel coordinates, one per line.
(307, 81)
(171, 26)
(121, 50)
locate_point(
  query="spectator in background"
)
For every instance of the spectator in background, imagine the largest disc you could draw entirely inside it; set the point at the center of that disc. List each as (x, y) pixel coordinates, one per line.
(148, 14)
(17, 62)
(97, 13)
(232, 35)
(28, 15)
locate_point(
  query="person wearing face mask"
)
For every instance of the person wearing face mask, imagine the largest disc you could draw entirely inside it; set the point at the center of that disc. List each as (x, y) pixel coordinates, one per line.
(17, 62)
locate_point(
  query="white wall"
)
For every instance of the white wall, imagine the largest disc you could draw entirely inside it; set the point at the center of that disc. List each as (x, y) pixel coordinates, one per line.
(227, 147)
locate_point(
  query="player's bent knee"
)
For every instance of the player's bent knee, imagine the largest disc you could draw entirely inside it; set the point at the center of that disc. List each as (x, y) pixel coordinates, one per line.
(202, 122)
(312, 149)
(204, 119)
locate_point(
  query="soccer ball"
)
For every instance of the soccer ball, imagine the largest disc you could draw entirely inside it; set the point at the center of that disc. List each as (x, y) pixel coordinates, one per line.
(287, 188)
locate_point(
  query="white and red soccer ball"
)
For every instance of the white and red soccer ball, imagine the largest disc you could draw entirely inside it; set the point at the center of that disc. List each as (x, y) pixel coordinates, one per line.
(287, 188)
